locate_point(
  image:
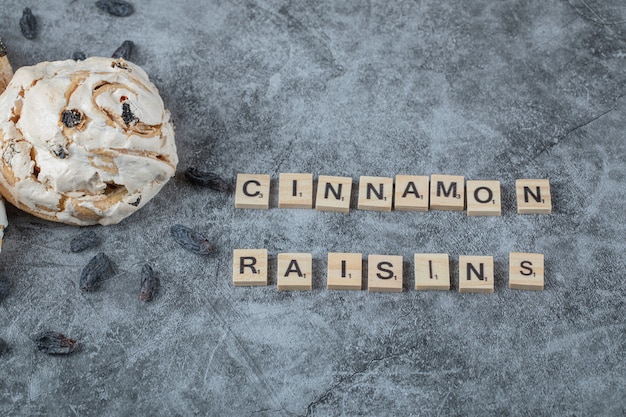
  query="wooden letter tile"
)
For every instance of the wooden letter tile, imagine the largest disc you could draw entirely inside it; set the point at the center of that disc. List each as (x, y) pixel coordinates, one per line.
(411, 193)
(345, 271)
(295, 271)
(447, 192)
(432, 271)
(483, 198)
(333, 193)
(375, 193)
(526, 271)
(249, 267)
(252, 191)
(476, 274)
(384, 273)
(533, 196)
(295, 191)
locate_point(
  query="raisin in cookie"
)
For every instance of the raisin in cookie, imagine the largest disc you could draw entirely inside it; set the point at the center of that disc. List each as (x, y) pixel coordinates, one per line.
(84, 142)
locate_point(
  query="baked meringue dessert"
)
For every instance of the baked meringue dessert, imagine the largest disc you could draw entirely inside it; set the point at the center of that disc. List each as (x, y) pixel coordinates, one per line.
(84, 142)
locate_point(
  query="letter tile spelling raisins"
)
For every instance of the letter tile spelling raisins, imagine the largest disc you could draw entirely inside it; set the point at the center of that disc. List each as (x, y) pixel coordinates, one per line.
(54, 343)
(116, 8)
(28, 24)
(85, 240)
(125, 51)
(95, 270)
(149, 283)
(208, 179)
(190, 240)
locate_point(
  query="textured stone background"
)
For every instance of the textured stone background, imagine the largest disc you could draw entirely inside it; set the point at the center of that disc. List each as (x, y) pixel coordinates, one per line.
(485, 89)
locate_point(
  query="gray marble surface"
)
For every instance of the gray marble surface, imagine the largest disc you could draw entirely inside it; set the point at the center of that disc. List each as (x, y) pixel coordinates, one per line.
(484, 89)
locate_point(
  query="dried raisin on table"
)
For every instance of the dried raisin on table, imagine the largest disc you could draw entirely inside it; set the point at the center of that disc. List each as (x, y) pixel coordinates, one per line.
(54, 343)
(28, 24)
(4, 347)
(4, 289)
(208, 179)
(191, 240)
(3, 48)
(95, 270)
(125, 51)
(116, 8)
(79, 56)
(85, 240)
(149, 283)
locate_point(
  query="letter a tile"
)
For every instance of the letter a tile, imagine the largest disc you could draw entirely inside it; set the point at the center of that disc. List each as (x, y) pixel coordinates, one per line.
(249, 267)
(295, 271)
(411, 193)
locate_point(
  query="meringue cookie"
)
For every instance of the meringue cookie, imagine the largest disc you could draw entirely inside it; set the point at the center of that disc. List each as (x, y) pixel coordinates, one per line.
(84, 142)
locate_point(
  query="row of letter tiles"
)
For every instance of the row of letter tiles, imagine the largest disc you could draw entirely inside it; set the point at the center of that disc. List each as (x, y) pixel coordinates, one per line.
(345, 271)
(412, 192)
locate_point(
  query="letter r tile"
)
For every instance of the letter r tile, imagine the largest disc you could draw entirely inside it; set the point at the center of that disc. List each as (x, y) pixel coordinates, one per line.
(249, 267)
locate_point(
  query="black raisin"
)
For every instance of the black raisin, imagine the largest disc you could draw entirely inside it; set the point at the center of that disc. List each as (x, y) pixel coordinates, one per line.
(59, 150)
(79, 56)
(83, 241)
(149, 283)
(4, 289)
(127, 114)
(96, 269)
(3, 49)
(71, 118)
(191, 240)
(125, 51)
(136, 202)
(28, 24)
(54, 343)
(208, 179)
(116, 8)
(4, 347)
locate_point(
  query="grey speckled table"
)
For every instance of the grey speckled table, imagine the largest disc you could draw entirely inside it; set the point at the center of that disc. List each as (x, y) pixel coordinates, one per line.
(484, 89)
